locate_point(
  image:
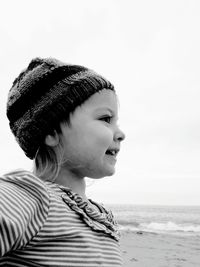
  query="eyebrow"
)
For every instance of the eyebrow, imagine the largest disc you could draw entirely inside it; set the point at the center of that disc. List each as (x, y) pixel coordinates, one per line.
(105, 108)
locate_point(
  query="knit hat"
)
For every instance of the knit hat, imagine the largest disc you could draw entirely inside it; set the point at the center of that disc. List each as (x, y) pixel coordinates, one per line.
(44, 94)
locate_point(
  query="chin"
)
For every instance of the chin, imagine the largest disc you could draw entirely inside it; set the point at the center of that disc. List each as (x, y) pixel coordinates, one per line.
(102, 174)
(109, 172)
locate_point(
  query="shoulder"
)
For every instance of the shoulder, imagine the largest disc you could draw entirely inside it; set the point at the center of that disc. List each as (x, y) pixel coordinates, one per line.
(24, 205)
(24, 182)
(24, 193)
(23, 179)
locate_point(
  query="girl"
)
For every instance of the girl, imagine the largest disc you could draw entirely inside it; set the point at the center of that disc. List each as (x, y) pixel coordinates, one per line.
(64, 117)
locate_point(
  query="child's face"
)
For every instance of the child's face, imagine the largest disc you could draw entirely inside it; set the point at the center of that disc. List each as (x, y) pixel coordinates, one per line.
(92, 133)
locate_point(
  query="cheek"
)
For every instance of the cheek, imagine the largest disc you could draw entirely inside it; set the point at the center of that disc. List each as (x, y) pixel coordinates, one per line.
(102, 137)
(89, 141)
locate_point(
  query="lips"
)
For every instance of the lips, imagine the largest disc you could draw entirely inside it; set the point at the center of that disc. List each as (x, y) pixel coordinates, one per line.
(112, 151)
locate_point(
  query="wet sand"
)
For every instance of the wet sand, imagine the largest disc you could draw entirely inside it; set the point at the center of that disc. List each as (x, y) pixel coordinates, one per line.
(142, 249)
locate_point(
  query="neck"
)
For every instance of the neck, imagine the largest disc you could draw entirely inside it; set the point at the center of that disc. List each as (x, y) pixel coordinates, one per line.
(71, 180)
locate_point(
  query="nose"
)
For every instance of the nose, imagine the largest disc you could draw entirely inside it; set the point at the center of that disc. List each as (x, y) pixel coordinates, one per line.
(119, 135)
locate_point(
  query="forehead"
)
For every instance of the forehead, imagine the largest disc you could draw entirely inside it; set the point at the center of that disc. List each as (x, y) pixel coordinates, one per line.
(99, 102)
(103, 99)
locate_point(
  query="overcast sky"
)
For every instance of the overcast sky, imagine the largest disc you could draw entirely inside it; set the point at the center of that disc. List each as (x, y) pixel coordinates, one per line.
(150, 50)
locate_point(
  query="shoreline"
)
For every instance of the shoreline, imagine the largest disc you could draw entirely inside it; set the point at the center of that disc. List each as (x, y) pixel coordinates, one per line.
(144, 249)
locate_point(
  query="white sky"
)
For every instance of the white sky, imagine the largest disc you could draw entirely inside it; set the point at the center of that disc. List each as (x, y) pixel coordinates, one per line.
(150, 50)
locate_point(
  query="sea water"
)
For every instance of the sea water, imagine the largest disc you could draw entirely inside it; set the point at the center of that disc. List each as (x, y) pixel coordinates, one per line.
(178, 220)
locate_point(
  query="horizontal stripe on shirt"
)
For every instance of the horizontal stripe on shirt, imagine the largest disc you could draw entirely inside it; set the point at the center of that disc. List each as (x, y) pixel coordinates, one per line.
(38, 228)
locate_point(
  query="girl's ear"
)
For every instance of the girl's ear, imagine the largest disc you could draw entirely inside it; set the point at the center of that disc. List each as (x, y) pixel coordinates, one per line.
(52, 139)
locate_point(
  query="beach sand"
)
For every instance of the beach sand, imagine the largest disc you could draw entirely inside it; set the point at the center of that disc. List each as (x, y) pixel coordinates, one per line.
(142, 249)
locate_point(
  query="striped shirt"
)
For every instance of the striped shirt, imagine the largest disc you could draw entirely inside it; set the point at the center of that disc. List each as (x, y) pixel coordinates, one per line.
(44, 224)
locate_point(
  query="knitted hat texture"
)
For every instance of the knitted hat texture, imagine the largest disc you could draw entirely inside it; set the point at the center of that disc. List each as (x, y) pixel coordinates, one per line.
(44, 94)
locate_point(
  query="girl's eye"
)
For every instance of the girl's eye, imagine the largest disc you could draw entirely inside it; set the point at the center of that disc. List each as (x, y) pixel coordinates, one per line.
(107, 119)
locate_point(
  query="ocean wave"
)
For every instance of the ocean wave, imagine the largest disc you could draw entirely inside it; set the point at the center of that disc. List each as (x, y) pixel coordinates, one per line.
(171, 226)
(157, 227)
(180, 220)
